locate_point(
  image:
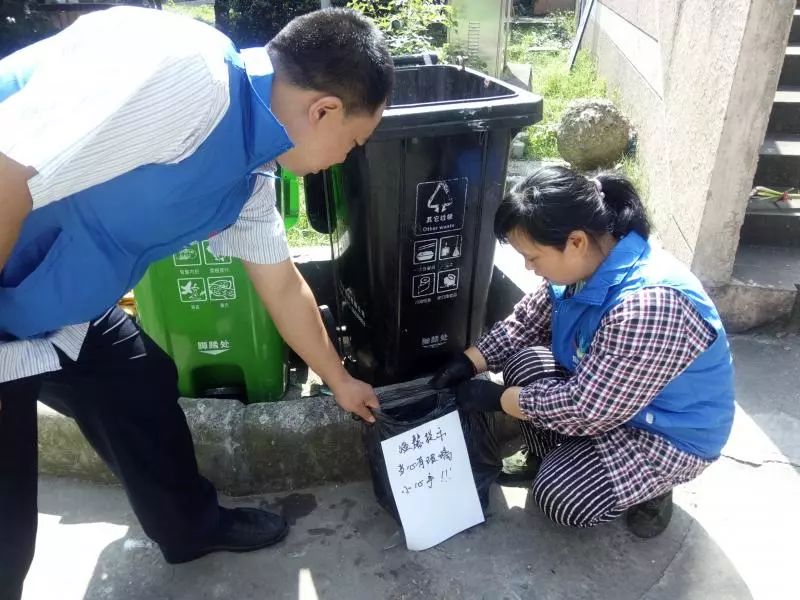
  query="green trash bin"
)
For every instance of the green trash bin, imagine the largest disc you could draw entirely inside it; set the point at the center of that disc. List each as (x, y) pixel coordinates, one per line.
(204, 312)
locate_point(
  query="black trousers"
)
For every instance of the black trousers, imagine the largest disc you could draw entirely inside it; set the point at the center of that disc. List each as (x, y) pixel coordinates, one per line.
(122, 392)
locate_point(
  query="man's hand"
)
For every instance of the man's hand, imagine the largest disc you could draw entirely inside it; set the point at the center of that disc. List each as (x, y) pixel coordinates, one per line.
(356, 397)
(294, 311)
(15, 203)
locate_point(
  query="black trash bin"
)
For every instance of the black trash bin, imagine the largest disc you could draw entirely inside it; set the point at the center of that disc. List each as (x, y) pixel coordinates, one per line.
(410, 216)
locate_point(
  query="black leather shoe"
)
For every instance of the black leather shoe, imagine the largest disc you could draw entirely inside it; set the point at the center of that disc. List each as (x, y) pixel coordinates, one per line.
(241, 530)
(650, 518)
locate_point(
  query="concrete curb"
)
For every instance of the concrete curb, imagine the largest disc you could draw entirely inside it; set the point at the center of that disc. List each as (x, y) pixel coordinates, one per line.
(241, 449)
(64, 451)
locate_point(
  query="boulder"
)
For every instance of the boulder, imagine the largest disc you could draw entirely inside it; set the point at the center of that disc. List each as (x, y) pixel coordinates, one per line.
(593, 133)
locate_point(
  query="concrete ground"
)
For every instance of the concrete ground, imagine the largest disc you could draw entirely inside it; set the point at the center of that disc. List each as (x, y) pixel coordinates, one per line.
(734, 533)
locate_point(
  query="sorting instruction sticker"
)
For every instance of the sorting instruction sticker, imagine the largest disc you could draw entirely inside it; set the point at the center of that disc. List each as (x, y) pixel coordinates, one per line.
(450, 247)
(423, 285)
(192, 289)
(188, 256)
(211, 258)
(425, 251)
(221, 288)
(441, 205)
(447, 281)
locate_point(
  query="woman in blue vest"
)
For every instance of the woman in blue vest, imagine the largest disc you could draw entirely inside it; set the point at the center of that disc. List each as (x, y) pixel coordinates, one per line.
(618, 366)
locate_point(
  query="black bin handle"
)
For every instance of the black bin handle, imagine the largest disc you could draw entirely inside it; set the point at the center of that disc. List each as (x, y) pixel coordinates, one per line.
(423, 58)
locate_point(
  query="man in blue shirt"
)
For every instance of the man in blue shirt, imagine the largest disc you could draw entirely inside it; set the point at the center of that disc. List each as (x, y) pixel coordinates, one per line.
(125, 137)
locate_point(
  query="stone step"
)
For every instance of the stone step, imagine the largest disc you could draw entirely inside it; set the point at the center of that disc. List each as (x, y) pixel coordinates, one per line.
(770, 223)
(768, 266)
(785, 115)
(790, 73)
(762, 288)
(779, 162)
(794, 36)
(767, 222)
(782, 231)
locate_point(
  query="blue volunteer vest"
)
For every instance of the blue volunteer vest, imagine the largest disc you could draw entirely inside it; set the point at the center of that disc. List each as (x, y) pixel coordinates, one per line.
(695, 410)
(79, 255)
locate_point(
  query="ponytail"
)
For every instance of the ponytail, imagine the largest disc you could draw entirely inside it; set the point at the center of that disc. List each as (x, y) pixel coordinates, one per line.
(620, 197)
(554, 201)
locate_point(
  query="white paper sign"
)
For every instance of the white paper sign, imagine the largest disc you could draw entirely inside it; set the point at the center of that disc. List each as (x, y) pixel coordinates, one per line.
(432, 482)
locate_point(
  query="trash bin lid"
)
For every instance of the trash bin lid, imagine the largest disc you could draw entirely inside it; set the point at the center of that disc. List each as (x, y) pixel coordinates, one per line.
(431, 100)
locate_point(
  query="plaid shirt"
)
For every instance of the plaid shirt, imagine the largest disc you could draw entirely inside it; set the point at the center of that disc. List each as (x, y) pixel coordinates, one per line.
(641, 345)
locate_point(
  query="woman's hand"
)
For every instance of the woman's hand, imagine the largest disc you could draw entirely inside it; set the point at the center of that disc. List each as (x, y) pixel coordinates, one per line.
(479, 395)
(459, 369)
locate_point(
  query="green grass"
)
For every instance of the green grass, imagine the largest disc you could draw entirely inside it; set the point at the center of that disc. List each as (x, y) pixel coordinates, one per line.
(552, 79)
(559, 86)
(302, 234)
(203, 13)
(524, 38)
(632, 168)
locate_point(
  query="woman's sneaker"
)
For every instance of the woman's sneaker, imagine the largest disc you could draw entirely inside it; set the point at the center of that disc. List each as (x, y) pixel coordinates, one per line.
(650, 518)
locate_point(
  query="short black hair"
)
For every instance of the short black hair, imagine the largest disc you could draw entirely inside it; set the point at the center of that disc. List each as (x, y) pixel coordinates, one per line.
(337, 51)
(554, 201)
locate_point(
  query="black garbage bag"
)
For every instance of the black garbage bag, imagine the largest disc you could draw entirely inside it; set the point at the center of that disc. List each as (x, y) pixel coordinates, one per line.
(408, 405)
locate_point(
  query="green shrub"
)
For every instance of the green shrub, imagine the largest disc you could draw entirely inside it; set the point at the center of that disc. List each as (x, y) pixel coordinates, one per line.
(19, 26)
(410, 26)
(252, 23)
(204, 13)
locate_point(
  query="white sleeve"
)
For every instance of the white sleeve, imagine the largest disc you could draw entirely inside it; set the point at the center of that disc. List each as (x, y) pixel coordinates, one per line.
(105, 101)
(258, 236)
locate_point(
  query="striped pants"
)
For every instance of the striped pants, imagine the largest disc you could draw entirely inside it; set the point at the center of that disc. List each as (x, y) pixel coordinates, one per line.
(573, 486)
